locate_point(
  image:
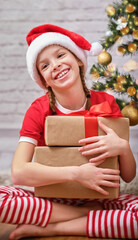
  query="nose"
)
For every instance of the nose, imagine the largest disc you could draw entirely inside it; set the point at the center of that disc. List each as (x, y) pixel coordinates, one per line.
(55, 65)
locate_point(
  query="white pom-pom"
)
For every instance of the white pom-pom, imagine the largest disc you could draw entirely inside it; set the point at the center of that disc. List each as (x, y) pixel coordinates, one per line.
(96, 49)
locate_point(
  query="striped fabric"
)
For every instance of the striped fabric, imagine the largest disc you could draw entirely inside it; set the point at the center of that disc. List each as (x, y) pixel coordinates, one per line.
(18, 206)
(119, 219)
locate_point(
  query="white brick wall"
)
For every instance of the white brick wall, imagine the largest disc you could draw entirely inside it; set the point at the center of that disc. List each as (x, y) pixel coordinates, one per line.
(17, 17)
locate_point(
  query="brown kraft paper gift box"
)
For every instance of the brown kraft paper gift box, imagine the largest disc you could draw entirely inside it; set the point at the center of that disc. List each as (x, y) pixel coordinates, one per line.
(68, 130)
(69, 156)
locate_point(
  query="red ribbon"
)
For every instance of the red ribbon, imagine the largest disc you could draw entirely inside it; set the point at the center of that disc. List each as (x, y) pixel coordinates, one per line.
(101, 109)
(91, 126)
(98, 110)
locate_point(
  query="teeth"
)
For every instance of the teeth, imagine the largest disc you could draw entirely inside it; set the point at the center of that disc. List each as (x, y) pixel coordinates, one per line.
(62, 74)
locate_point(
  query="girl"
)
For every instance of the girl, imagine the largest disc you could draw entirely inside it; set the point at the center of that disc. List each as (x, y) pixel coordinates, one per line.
(56, 60)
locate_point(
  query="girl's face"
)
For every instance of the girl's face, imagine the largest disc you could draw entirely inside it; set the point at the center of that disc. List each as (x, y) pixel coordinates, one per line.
(58, 67)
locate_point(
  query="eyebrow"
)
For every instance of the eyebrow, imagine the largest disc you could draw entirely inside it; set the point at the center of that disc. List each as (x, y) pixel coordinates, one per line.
(56, 51)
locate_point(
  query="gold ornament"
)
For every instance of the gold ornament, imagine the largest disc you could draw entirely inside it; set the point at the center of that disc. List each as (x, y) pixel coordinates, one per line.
(104, 58)
(131, 91)
(120, 51)
(125, 30)
(131, 112)
(132, 47)
(121, 79)
(135, 34)
(95, 75)
(136, 21)
(110, 10)
(118, 87)
(130, 8)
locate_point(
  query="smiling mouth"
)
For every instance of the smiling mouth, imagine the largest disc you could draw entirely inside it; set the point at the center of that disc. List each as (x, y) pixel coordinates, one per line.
(60, 75)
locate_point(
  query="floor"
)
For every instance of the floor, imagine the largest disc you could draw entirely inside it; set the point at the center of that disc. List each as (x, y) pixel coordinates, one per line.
(5, 230)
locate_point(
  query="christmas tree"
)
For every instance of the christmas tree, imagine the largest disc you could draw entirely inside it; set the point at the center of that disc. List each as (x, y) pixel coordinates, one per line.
(123, 22)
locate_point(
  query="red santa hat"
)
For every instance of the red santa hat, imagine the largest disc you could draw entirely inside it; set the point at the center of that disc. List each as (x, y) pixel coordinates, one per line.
(45, 35)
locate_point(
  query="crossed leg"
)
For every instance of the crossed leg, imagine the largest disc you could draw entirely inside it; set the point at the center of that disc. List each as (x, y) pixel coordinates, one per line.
(65, 220)
(71, 227)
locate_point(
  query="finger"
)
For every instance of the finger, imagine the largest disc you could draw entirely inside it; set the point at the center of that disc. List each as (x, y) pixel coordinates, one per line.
(112, 177)
(94, 151)
(88, 147)
(90, 139)
(101, 190)
(98, 162)
(110, 171)
(109, 184)
(99, 157)
(104, 127)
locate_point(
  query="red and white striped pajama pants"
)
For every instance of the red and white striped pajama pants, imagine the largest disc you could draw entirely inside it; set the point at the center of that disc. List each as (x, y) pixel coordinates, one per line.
(119, 219)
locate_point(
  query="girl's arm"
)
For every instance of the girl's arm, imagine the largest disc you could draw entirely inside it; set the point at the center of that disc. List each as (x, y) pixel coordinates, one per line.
(26, 172)
(111, 145)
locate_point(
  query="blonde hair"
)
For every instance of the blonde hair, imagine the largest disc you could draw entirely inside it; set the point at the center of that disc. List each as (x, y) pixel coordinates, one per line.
(51, 95)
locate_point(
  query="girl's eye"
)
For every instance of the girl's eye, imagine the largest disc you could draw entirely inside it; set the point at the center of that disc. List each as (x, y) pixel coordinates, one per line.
(61, 54)
(44, 66)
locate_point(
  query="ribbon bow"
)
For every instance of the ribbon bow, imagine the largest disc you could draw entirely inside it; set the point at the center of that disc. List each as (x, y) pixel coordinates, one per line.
(102, 109)
(98, 110)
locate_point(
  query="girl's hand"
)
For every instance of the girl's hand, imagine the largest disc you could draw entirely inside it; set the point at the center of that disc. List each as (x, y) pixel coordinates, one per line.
(93, 177)
(105, 146)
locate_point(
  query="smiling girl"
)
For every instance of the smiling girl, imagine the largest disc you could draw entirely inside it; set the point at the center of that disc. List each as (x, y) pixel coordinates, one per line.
(56, 60)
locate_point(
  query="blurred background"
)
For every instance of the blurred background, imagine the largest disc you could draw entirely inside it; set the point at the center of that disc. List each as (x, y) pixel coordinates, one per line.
(17, 90)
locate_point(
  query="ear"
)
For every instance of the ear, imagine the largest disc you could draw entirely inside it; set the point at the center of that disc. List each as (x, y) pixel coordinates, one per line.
(80, 63)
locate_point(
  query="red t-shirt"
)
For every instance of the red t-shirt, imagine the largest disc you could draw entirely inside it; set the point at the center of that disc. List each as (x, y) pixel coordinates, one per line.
(33, 123)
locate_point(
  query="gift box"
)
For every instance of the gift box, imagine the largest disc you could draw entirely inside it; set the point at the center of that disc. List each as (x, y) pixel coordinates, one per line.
(68, 130)
(69, 156)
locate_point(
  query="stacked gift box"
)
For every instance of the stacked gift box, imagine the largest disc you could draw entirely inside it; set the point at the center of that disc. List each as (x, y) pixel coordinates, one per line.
(62, 134)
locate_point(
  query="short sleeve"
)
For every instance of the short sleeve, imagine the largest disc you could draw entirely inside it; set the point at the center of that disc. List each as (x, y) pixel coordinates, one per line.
(33, 123)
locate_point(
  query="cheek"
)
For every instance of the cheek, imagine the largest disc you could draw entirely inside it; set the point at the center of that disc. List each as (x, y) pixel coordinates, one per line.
(46, 76)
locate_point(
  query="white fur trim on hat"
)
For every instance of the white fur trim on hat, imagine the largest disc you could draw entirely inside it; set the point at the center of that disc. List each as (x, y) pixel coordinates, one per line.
(47, 39)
